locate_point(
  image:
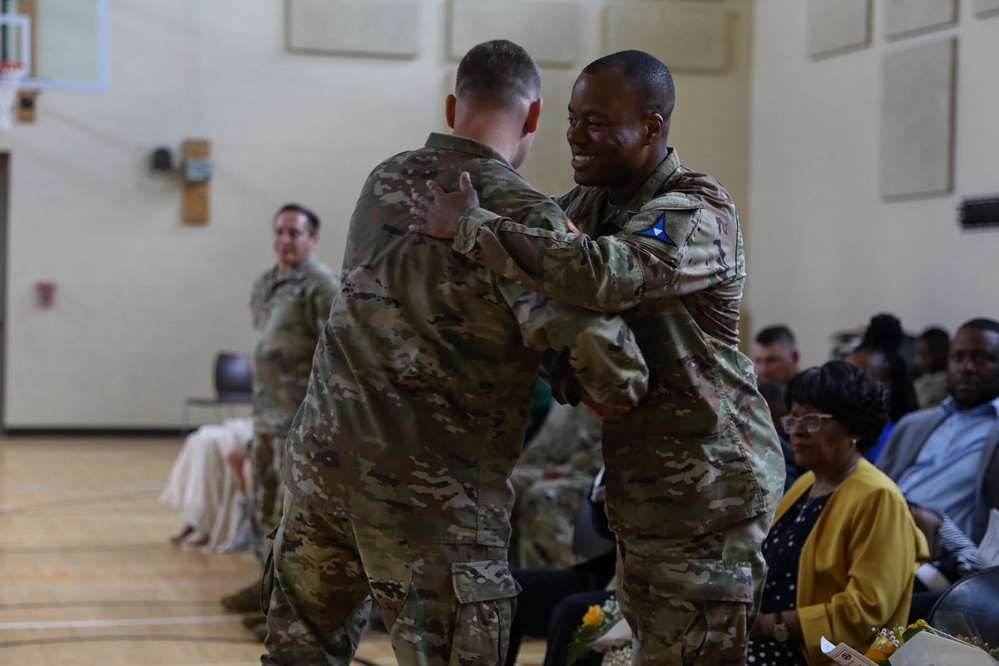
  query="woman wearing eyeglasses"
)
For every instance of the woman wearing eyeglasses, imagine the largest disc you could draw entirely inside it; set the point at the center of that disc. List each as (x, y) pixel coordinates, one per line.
(843, 548)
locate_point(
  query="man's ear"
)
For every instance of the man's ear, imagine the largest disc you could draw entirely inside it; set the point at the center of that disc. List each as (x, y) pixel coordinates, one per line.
(449, 107)
(533, 117)
(654, 125)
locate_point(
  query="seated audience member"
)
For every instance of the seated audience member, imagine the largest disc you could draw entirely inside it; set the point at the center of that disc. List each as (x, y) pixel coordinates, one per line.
(932, 348)
(773, 393)
(947, 457)
(775, 354)
(549, 482)
(843, 547)
(953, 555)
(879, 353)
(552, 602)
(204, 489)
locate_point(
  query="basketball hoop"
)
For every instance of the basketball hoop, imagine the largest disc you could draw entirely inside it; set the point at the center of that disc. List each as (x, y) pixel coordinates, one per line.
(11, 73)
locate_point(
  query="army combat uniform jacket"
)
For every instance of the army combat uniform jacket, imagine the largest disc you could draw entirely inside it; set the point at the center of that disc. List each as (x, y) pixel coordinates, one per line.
(289, 310)
(700, 452)
(423, 377)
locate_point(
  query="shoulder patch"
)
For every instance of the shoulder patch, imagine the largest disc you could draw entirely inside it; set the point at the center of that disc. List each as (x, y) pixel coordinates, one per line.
(658, 231)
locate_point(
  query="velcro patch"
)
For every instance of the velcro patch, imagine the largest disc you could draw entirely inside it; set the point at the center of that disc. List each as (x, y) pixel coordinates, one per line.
(658, 231)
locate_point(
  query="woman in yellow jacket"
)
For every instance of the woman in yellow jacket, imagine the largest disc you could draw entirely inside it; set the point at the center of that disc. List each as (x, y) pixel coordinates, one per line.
(843, 548)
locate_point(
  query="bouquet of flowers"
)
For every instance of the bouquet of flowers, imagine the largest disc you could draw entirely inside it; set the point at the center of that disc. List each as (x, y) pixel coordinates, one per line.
(888, 641)
(601, 631)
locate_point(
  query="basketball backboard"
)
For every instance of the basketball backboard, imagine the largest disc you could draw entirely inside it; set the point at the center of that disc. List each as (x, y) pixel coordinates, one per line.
(63, 42)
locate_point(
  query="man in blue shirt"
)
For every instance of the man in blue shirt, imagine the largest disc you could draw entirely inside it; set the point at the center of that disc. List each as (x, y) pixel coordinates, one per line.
(946, 458)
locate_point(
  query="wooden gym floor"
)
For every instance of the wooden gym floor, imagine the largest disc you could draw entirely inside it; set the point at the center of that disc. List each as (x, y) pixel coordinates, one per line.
(87, 575)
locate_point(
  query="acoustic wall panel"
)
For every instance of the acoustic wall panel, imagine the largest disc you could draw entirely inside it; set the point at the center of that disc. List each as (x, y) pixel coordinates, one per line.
(355, 27)
(549, 30)
(838, 25)
(685, 37)
(917, 116)
(903, 17)
(986, 7)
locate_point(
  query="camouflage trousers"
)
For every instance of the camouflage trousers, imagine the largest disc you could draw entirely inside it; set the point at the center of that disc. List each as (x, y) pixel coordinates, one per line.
(543, 514)
(442, 604)
(266, 492)
(688, 599)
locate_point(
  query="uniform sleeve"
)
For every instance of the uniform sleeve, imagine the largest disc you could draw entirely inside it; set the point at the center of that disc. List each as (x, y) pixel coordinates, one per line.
(668, 251)
(321, 300)
(600, 349)
(882, 549)
(256, 305)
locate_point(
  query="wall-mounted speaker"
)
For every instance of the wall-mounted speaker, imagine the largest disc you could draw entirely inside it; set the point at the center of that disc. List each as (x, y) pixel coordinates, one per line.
(979, 212)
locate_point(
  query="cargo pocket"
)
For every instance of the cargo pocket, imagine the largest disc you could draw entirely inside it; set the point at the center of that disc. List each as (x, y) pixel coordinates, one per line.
(486, 595)
(703, 580)
(715, 597)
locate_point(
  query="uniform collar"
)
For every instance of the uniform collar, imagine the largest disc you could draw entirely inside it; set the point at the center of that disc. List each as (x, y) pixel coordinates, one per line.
(653, 184)
(465, 145)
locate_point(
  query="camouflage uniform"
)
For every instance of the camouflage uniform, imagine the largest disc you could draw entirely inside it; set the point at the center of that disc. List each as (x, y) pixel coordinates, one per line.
(289, 310)
(398, 463)
(695, 472)
(545, 508)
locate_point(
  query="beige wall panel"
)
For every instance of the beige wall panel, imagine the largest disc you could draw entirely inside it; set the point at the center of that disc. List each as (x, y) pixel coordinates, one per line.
(917, 114)
(547, 167)
(367, 27)
(907, 16)
(684, 36)
(838, 25)
(984, 7)
(144, 301)
(528, 23)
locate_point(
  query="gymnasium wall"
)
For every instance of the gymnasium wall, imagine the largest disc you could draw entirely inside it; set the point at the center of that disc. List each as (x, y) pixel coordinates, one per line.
(871, 122)
(294, 112)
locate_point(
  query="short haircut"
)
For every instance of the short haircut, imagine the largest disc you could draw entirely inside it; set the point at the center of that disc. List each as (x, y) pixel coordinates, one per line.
(779, 333)
(299, 208)
(981, 324)
(649, 77)
(498, 73)
(846, 392)
(935, 337)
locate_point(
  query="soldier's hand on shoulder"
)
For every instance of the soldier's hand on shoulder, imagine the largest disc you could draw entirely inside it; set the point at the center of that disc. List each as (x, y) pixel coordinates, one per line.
(440, 210)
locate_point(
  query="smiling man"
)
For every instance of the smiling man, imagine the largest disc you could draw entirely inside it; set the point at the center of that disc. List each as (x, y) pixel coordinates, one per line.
(290, 303)
(694, 472)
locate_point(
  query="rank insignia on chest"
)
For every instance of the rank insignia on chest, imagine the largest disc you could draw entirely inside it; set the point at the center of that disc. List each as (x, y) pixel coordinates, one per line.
(658, 231)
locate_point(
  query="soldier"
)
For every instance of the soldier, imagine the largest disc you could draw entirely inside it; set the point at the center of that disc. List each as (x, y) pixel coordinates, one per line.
(398, 462)
(553, 474)
(695, 472)
(290, 303)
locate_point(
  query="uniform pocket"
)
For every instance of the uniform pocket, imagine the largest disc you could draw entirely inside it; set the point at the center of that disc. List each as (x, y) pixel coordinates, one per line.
(703, 580)
(486, 580)
(486, 593)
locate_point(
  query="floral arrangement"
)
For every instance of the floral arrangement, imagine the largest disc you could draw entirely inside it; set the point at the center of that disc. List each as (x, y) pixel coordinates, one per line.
(597, 621)
(887, 641)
